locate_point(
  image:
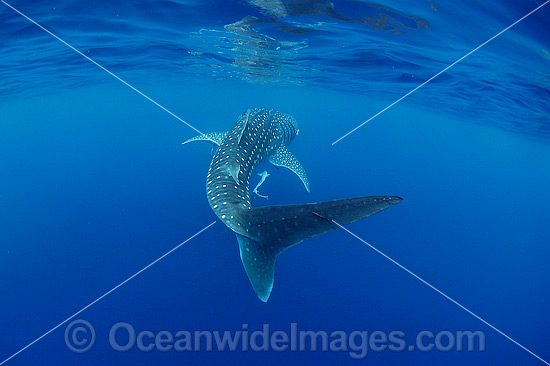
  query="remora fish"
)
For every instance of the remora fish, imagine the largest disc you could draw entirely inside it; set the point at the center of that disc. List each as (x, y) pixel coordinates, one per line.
(264, 232)
(263, 176)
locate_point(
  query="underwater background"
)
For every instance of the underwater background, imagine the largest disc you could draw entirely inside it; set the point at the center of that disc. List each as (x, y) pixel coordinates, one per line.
(95, 184)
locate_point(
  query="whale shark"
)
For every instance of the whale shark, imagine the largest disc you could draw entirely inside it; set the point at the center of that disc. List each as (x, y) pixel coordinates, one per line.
(264, 232)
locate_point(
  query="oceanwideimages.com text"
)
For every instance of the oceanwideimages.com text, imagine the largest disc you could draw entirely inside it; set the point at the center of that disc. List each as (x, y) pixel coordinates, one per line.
(123, 337)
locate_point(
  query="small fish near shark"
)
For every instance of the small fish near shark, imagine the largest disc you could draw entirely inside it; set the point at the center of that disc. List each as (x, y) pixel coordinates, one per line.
(263, 175)
(264, 232)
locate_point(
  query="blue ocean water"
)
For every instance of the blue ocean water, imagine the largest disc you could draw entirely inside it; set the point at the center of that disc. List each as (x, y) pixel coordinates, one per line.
(96, 184)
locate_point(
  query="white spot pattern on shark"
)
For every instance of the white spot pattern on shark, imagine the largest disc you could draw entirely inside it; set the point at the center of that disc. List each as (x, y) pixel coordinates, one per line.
(264, 232)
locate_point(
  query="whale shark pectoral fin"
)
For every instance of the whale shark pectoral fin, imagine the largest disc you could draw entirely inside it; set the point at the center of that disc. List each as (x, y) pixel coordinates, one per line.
(283, 157)
(259, 264)
(215, 137)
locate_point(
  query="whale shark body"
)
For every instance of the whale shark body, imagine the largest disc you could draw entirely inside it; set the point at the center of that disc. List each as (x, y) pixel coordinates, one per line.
(262, 233)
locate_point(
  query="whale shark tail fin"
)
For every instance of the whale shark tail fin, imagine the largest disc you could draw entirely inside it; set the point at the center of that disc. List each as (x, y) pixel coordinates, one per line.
(272, 229)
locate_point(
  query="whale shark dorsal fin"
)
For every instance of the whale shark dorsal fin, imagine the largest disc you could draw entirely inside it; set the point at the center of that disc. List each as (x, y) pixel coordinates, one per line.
(215, 137)
(283, 157)
(243, 126)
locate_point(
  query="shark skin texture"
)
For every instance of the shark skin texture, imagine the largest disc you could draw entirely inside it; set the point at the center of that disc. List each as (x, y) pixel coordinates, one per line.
(262, 233)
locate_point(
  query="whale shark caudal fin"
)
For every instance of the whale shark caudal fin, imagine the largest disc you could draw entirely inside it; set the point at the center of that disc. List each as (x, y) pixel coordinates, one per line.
(272, 229)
